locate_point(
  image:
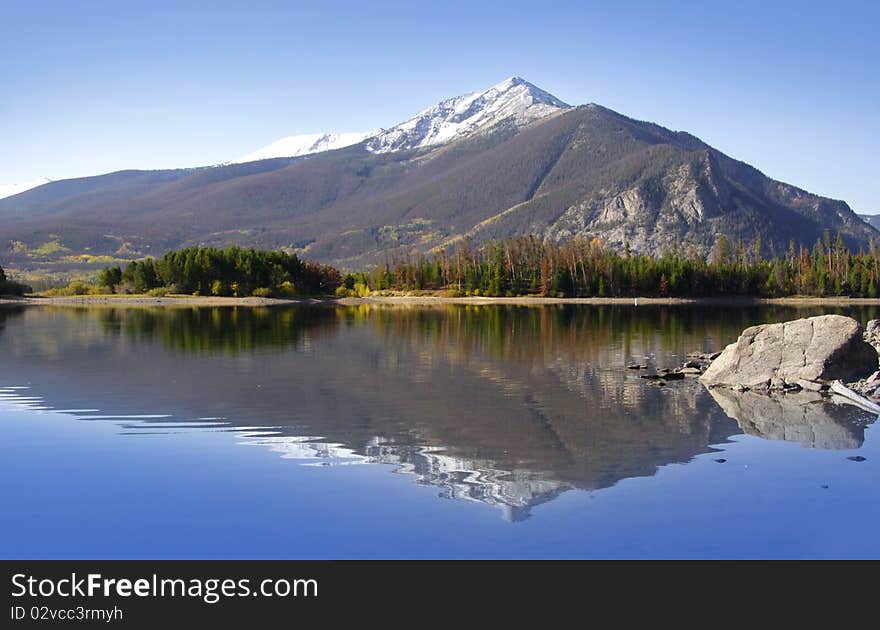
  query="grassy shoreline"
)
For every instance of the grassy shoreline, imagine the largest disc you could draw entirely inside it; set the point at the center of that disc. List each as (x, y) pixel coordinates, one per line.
(144, 300)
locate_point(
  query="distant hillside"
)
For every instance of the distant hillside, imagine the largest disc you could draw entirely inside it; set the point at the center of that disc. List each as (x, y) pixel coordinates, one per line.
(98, 214)
(584, 171)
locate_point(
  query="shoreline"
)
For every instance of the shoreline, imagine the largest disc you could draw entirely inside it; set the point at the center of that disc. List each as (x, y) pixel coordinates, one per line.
(142, 300)
(429, 300)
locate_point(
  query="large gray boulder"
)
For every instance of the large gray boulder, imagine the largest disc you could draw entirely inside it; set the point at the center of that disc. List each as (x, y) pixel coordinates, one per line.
(769, 356)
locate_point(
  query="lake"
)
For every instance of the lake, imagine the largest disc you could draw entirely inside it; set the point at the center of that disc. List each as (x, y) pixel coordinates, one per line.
(453, 431)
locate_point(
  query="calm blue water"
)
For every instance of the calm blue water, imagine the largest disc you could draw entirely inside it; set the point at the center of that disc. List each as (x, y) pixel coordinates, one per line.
(453, 432)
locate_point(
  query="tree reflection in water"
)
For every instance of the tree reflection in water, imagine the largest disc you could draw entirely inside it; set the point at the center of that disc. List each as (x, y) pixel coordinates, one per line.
(504, 405)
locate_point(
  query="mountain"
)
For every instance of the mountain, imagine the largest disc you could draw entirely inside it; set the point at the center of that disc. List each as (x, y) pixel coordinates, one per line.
(7, 190)
(872, 219)
(513, 100)
(294, 146)
(512, 160)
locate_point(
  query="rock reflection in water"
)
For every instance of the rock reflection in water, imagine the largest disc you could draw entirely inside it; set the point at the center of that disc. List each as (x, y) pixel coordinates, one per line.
(802, 417)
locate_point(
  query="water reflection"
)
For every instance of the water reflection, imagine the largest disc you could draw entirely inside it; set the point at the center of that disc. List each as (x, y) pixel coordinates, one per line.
(9, 312)
(217, 330)
(801, 417)
(507, 406)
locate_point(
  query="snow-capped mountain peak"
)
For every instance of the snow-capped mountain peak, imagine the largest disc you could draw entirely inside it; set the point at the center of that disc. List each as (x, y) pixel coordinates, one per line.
(306, 144)
(513, 99)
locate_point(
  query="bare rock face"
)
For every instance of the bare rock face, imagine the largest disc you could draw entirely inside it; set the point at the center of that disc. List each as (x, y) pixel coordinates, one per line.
(872, 333)
(769, 356)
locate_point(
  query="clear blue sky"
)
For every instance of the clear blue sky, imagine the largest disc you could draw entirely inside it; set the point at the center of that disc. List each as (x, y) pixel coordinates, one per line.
(90, 87)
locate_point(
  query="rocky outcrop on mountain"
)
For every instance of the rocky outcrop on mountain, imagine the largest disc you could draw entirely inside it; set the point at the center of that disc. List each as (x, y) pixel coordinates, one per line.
(688, 196)
(780, 356)
(872, 219)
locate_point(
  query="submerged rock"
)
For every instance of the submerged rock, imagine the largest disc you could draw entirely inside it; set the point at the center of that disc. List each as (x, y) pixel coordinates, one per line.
(774, 356)
(811, 386)
(690, 370)
(703, 356)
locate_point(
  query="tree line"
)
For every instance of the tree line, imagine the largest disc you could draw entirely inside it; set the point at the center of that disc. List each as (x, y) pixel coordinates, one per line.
(233, 271)
(514, 267)
(10, 287)
(587, 268)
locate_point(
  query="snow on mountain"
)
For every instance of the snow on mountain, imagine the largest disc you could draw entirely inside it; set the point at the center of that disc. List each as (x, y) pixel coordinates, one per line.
(513, 99)
(7, 190)
(294, 146)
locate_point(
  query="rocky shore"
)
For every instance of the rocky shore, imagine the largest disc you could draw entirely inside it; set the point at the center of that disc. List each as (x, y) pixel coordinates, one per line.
(827, 353)
(816, 354)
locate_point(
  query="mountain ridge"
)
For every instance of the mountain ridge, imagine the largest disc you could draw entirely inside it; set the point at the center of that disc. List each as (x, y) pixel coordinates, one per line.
(443, 122)
(305, 144)
(555, 173)
(8, 190)
(454, 118)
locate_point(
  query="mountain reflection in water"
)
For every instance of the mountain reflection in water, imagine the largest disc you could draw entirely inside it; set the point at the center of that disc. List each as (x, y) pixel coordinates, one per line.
(508, 406)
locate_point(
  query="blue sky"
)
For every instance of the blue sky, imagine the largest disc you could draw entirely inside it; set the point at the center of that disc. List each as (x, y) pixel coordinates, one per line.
(91, 87)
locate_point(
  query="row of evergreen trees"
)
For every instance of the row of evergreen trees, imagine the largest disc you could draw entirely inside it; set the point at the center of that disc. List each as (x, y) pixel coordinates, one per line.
(518, 266)
(10, 287)
(233, 271)
(579, 268)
